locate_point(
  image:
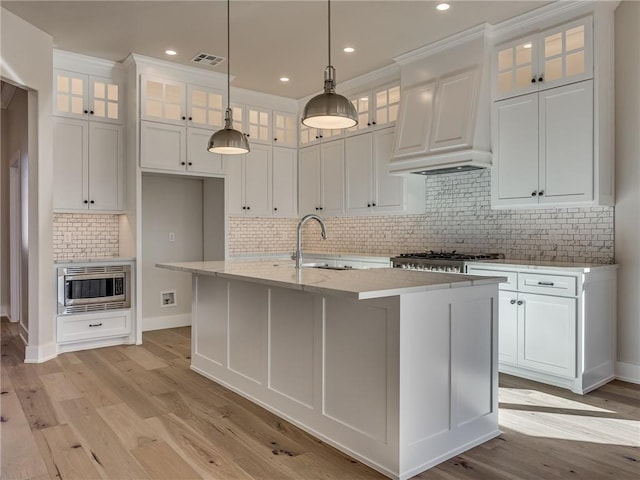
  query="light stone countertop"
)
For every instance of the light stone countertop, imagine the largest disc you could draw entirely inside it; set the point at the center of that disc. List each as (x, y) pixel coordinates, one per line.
(74, 261)
(574, 267)
(360, 284)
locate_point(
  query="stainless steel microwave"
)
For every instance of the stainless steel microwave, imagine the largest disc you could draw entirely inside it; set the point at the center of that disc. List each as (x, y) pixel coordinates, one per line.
(93, 288)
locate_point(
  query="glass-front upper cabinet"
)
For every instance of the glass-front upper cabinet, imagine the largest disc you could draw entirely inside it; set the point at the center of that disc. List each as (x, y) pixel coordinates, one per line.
(551, 58)
(87, 96)
(377, 107)
(163, 100)
(205, 107)
(253, 122)
(285, 127)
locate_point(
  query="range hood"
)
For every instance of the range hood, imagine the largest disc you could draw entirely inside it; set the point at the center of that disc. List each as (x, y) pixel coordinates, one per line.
(444, 123)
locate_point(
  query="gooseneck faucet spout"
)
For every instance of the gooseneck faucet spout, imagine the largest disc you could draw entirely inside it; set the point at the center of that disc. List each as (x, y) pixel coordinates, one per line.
(302, 221)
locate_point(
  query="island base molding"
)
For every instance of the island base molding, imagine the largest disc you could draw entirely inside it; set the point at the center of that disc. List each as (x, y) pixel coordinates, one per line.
(401, 383)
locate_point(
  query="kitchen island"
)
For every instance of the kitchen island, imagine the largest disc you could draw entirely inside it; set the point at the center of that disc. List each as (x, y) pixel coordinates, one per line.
(396, 368)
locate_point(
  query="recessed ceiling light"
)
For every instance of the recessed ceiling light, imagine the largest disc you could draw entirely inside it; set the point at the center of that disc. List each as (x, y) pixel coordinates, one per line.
(526, 45)
(284, 79)
(171, 52)
(443, 6)
(349, 50)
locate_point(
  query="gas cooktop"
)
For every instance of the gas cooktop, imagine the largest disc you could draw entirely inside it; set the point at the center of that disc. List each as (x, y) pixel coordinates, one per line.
(453, 255)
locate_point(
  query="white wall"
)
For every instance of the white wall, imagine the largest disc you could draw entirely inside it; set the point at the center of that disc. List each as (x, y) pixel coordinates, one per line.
(169, 204)
(627, 210)
(26, 60)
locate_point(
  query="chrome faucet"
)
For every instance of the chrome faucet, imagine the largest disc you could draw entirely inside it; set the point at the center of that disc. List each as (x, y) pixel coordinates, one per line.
(302, 221)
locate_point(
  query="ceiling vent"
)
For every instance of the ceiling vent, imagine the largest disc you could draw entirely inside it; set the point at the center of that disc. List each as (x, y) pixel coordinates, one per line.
(207, 59)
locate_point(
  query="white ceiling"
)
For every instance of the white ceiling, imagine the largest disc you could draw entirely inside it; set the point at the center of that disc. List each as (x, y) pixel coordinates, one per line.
(269, 39)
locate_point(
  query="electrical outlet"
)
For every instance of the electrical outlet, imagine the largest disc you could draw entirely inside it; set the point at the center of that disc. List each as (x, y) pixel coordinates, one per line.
(67, 237)
(172, 237)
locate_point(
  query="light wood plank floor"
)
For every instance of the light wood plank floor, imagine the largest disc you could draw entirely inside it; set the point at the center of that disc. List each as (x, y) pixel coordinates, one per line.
(138, 412)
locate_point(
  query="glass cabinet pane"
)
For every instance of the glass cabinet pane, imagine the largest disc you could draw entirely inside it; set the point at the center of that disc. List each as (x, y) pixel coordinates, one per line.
(575, 38)
(575, 63)
(553, 45)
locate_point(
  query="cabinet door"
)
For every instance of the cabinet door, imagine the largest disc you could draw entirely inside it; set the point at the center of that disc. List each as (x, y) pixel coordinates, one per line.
(257, 181)
(163, 100)
(515, 67)
(234, 196)
(566, 143)
(70, 164)
(332, 177)
(359, 173)
(547, 334)
(284, 174)
(386, 101)
(508, 327)
(362, 104)
(389, 190)
(71, 92)
(566, 54)
(162, 146)
(454, 111)
(105, 97)
(414, 123)
(205, 107)
(308, 135)
(309, 180)
(285, 127)
(515, 151)
(258, 125)
(199, 159)
(106, 167)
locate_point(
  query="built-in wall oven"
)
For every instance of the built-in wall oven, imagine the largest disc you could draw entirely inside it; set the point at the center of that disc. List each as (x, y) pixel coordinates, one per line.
(93, 288)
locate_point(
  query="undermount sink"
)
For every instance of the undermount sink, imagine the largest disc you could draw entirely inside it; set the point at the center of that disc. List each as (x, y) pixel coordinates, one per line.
(325, 266)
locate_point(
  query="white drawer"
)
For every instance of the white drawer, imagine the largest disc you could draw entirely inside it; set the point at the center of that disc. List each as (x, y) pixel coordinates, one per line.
(74, 328)
(559, 285)
(512, 277)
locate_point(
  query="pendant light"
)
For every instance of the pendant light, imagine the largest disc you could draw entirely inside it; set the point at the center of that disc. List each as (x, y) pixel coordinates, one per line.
(228, 141)
(329, 110)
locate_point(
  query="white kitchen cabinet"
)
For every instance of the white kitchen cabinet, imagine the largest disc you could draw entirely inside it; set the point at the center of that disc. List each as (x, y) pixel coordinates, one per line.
(74, 329)
(370, 188)
(205, 107)
(543, 60)
(177, 148)
(556, 325)
(248, 182)
(543, 148)
(311, 136)
(284, 173)
(285, 129)
(254, 122)
(87, 97)
(88, 166)
(376, 108)
(321, 179)
(163, 100)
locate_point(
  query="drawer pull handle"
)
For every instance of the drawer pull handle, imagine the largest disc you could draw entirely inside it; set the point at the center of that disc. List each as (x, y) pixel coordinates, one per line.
(95, 324)
(545, 284)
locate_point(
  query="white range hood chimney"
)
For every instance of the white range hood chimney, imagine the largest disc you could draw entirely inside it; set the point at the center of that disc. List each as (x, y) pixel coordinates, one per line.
(444, 120)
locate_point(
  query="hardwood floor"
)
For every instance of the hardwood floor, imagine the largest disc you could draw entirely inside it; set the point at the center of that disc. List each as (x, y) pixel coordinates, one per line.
(138, 412)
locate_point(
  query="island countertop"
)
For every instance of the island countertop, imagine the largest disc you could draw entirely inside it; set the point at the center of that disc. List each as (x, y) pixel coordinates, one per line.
(359, 284)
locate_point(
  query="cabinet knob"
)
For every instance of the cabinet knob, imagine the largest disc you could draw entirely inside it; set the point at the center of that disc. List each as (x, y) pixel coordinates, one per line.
(92, 201)
(91, 112)
(184, 118)
(541, 78)
(244, 208)
(182, 163)
(190, 163)
(247, 135)
(317, 208)
(321, 136)
(533, 80)
(368, 124)
(86, 201)
(190, 118)
(368, 205)
(317, 136)
(512, 302)
(275, 209)
(541, 193)
(275, 139)
(248, 208)
(520, 302)
(86, 111)
(533, 194)
(320, 208)
(373, 204)
(373, 123)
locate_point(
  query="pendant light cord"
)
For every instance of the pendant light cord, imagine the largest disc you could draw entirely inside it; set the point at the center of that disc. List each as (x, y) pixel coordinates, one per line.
(228, 58)
(329, 25)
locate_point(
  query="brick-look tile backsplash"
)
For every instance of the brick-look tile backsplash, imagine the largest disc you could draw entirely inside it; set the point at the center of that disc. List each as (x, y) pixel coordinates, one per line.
(92, 236)
(457, 216)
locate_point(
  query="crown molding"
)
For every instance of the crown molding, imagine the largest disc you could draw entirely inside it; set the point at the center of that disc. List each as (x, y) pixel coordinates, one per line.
(176, 68)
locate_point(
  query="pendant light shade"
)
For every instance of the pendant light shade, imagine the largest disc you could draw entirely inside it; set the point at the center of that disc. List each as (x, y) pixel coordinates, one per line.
(228, 141)
(329, 110)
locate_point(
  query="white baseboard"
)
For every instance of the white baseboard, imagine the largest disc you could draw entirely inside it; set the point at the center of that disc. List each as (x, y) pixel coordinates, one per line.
(628, 372)
(4, 310)
(168, 321)
(40, 353)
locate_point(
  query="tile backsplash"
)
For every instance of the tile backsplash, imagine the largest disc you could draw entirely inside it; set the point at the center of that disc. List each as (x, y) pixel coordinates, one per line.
(87, 235)
(457, 217)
